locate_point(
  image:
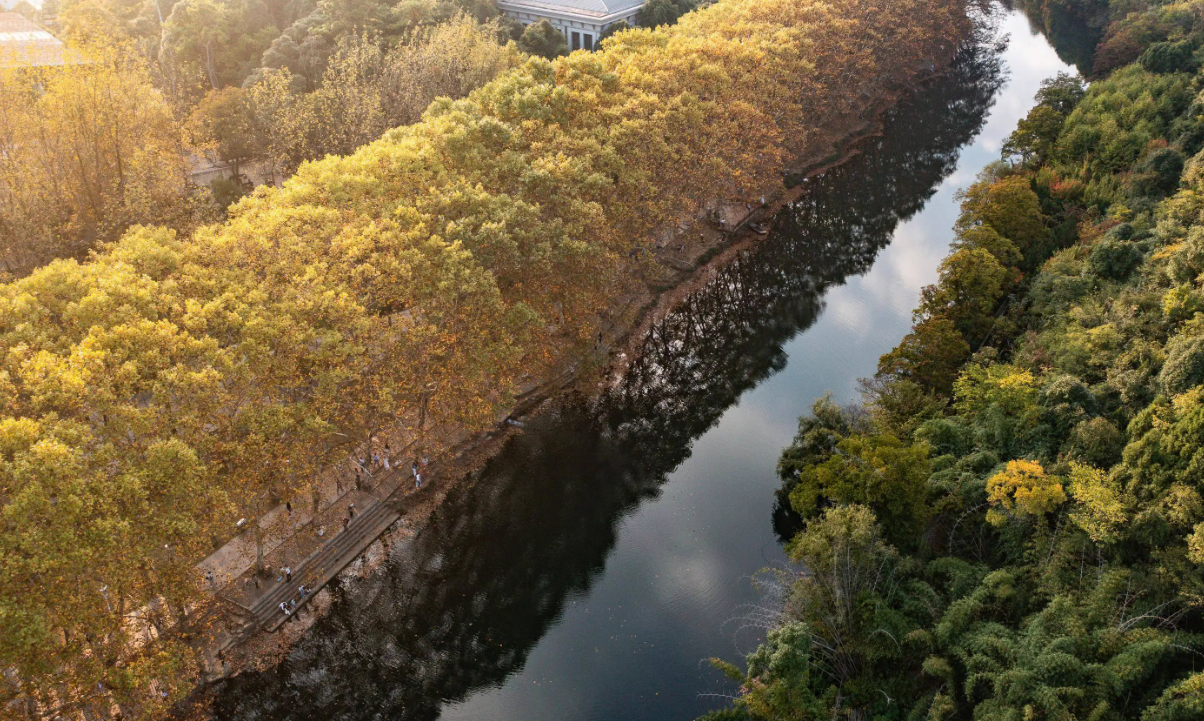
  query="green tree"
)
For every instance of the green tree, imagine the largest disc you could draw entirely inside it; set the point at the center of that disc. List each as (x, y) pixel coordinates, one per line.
(655, 13)
(541, 39)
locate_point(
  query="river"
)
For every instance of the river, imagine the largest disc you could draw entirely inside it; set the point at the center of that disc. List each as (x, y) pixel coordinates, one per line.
(590, 569)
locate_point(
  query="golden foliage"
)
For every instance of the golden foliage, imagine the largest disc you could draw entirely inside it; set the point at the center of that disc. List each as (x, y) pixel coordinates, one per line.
(1023, 489)
(169, 385)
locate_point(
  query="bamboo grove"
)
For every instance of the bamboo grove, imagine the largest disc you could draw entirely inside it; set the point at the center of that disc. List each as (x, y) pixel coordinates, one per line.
(159, 391)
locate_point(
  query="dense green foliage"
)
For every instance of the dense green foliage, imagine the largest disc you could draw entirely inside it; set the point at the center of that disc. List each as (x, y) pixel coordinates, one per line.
(1016, 512)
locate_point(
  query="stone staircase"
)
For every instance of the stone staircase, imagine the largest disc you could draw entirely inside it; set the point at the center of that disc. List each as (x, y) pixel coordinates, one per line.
(324, 564)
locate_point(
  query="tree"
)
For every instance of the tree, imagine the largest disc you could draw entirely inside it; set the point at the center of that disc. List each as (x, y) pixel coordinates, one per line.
(1023, 489)
(1036, 137)
(874, 470)
(224, 122)
(930, 355)
(541, 39)
(1010, 207)
(613, 28)
(85, 152)
(655, 13)
(971, 284)
(196, 31)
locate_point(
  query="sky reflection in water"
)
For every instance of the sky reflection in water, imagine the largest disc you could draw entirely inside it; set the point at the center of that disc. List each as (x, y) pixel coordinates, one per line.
(600, 560)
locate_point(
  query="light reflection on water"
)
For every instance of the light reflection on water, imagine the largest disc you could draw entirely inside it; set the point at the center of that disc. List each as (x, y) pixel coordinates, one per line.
(595, 565)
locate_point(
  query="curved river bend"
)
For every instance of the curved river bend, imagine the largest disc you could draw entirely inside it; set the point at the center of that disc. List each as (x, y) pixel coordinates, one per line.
(589, 570)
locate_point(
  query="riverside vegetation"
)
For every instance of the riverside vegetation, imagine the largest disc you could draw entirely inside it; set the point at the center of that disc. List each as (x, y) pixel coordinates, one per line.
(175, 381)
(1011, 526)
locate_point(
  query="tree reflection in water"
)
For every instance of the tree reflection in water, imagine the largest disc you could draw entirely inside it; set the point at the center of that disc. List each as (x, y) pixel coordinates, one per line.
(460, 606)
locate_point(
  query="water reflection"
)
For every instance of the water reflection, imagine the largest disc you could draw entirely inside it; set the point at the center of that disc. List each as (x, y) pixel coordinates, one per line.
(461, 606)
(1072, 30)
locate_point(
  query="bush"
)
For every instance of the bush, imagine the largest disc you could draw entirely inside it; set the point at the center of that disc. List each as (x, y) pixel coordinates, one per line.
(227, 191)
(946, 436)
(1184, 366)
(1124, 231)
(1113, 259)
(1181, 303)
(1168, 57)
(1067, 400)
(614, 28)
(1157, 176)
(1096, 442)
(655, 13)
(544, 40)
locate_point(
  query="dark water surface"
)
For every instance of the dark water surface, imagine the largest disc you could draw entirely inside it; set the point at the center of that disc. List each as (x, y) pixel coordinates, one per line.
(592, 567)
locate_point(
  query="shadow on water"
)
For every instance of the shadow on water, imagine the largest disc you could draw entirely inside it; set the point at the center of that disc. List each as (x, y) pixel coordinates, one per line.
(460, 607)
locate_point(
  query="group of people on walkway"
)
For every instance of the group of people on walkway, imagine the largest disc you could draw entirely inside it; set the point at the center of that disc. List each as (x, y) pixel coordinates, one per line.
(287, 607)
(361, 467)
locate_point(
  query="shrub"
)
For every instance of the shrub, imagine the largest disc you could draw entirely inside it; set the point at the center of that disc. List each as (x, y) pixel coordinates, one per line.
(544, 40)
(1023, 489)
(1096, 442)
(1157, 175)
(1113, 259)
(1181, 303)
(1184, 366)
(1168, 57)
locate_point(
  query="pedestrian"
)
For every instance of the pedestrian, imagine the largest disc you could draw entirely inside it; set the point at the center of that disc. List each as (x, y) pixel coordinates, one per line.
(346, 522)
(351, 510)
(417, 480)
(284, 608)
(386, 460)
(209, 577)
(763, 203)
(288, 574)
(292, 603)
(321, 531)
(376, 460)
(304, 591)
(414, 468)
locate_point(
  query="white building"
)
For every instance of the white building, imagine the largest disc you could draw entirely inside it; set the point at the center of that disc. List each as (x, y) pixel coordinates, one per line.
(581, 21)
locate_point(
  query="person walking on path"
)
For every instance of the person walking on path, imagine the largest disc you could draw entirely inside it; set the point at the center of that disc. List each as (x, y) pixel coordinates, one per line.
(417, 480)
(346, 523)
(209, 578)
(303, 591)
(284, 608)
(351, 510)
(288, 574)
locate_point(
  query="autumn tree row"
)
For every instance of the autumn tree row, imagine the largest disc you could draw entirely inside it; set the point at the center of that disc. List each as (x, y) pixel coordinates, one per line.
(172, 384)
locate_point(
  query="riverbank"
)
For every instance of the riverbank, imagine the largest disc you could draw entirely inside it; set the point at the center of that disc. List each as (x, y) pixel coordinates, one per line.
(608, 545)
(186, 384)
(686, 267)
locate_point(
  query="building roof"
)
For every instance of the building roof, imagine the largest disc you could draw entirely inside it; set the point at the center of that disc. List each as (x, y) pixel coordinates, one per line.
(586, 8)
(24, 43)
